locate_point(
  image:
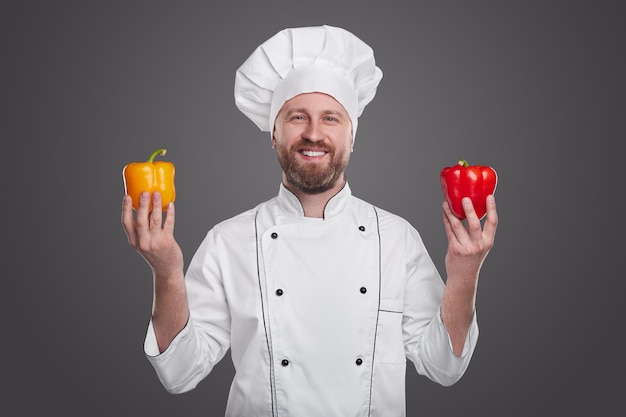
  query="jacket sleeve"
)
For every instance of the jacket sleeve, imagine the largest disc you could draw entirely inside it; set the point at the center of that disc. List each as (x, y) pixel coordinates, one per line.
(205, 339)
(427, 343)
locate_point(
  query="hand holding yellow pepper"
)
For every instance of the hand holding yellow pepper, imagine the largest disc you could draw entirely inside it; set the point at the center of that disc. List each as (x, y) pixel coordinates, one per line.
(150, 176)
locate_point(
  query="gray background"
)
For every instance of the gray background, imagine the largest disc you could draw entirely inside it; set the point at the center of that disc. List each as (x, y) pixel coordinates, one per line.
(533, 88)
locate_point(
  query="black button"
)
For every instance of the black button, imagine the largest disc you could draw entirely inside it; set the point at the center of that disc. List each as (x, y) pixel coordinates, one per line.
(284, 362)
(363, 290)
(362, 228)
(274, 235)
(279, 292)
(359, 361)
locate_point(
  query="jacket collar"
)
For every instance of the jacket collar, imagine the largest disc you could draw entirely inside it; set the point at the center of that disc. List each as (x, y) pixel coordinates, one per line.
(337, 203)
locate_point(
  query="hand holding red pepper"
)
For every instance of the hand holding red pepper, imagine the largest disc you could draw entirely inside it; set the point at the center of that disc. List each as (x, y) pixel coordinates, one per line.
(463, 180)
(469, 242)
(469, 196)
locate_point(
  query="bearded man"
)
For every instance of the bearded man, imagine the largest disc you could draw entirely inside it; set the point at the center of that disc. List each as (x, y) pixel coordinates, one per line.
(319, 296)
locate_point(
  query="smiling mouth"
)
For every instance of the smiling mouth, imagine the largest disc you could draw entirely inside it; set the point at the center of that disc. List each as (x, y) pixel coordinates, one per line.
(313, 153)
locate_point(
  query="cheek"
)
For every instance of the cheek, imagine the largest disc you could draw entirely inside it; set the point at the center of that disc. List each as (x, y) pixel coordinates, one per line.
(286, 135)
(349, 144)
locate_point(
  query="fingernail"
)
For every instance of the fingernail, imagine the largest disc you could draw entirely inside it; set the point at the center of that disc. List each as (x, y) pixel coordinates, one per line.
(144, 195)
(467, 201)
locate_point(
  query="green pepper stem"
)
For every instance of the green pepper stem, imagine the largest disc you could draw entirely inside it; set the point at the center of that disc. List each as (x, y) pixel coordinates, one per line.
(463, 163)
(153, 155)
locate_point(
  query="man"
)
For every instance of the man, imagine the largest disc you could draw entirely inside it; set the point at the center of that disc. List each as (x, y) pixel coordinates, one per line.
(319, 295)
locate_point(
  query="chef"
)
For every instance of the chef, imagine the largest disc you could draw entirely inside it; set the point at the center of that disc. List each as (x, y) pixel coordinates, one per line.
(320, 296)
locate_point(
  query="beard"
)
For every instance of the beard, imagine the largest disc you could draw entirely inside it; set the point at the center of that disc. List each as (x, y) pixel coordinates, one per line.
(311, 177)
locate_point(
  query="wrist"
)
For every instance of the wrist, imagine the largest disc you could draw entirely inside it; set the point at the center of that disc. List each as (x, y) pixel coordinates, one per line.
(168, 277)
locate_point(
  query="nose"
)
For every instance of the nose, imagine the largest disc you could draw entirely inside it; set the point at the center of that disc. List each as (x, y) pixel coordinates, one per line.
(313, 132)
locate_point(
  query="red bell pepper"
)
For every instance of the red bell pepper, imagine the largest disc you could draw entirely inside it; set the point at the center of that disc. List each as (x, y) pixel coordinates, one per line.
(463, 180)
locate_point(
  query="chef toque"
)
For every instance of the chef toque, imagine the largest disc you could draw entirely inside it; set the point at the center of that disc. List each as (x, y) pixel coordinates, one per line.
(322, 59)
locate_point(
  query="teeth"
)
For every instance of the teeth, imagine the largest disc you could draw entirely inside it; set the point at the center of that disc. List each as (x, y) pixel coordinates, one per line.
(313, 153)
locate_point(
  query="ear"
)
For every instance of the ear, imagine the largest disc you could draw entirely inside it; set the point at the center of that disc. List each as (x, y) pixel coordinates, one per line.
(353, 138)
(273, 142)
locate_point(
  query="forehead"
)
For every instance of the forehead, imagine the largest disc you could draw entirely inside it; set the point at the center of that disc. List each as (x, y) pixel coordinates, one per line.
(314, 102)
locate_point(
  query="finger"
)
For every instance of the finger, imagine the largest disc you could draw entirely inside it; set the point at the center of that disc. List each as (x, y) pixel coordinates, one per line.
(491, 222)
(170, 215)
(448, 227)
(473, 222)
(143, 217)
(128, 221)
(156, 216)
(452, 224)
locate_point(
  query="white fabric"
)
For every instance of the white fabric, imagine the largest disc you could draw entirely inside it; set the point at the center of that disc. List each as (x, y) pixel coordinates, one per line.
(323, 59)
(322, 323)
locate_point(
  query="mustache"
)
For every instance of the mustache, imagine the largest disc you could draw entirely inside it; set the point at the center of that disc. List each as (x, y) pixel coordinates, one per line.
(311, 146)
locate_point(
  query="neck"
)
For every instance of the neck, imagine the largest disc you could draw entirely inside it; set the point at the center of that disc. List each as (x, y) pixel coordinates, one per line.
(314, 204)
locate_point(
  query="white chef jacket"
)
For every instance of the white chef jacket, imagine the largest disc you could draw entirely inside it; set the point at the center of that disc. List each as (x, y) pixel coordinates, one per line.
(319, 314)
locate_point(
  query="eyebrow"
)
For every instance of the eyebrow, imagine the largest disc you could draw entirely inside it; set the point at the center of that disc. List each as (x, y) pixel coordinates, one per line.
(303, 110)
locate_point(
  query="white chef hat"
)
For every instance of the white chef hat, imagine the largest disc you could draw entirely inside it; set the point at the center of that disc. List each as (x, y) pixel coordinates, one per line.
(322, 59)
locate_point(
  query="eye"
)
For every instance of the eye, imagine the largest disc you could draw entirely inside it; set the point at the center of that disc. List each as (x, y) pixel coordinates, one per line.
(332, 117)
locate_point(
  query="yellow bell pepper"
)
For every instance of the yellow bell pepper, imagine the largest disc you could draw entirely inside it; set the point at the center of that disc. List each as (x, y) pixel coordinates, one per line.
(150, 176)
